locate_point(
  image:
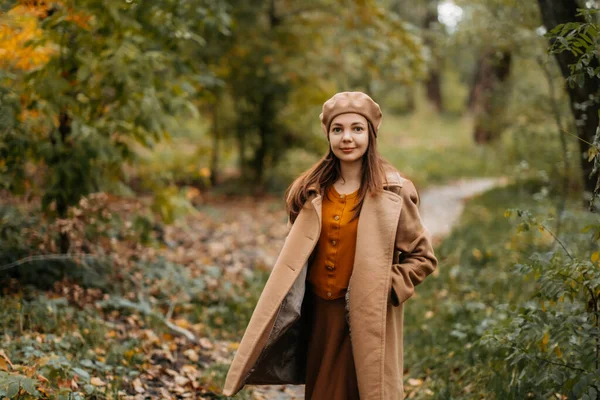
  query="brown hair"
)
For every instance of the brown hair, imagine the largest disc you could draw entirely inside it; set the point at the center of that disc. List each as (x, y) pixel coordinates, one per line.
(327, 170)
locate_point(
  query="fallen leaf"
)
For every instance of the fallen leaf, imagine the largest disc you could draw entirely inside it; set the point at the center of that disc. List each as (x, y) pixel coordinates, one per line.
(182, 323)
(137, 385)
(4, 359)
(207, 344)
(181, 380)
(191, 354)
(97, 381)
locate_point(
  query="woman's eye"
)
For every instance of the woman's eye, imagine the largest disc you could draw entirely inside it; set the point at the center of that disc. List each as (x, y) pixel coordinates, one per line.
(337, 130)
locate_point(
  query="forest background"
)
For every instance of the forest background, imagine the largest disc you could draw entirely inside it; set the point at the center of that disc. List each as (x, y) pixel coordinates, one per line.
(145, 147)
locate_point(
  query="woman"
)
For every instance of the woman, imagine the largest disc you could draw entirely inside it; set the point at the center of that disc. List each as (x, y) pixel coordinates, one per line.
(331, 313)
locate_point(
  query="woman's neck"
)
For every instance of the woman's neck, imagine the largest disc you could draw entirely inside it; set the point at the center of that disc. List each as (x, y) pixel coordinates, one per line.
(350, 173)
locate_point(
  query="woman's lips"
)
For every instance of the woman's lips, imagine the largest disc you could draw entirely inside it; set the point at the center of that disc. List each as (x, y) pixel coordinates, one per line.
(348, 150)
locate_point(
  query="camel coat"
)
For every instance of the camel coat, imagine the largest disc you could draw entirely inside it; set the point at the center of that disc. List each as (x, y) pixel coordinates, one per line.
(393, 255)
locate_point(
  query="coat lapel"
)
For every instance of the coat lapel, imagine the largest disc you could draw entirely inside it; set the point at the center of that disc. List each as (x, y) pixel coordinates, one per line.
(375, 239)
(369, 287)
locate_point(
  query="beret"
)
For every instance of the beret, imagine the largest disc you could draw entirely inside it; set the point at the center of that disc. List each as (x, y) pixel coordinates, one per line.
(350, 102)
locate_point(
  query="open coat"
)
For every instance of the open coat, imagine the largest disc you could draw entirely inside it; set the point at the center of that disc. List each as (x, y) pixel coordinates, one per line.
(393, 255)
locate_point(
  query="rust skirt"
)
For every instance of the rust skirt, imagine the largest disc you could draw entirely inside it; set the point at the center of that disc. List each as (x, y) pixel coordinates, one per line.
(330, 371)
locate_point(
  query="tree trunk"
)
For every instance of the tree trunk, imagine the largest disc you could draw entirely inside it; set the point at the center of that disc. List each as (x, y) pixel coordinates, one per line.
(474, 86)
(488, 97)
(433, 81)
(62, 206)
(214, 161)
(556, 12)
(266, 113)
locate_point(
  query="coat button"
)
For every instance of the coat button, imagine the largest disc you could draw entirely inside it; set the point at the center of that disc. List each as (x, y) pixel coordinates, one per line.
(328, 294)
(330, 267)
(333, 242)
(336, 217)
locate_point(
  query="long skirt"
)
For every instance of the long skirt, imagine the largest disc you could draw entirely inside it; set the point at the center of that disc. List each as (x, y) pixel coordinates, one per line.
(330, 371)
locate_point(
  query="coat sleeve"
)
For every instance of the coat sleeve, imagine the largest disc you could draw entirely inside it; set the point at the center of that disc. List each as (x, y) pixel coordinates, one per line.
(413, 241)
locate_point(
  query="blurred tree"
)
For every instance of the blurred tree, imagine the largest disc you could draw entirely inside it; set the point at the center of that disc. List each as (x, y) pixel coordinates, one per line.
(487, 96)
(422, 18)
(433, 82)
(585, 95)
(496, 33)
(279, 49)
(117, 70)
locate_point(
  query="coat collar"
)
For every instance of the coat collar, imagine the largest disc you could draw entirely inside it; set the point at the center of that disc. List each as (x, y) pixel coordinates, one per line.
(392, 178)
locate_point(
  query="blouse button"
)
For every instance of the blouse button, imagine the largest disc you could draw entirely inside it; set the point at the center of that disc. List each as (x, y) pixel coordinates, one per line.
(330, 267)
(328, 294)
(336, 217)
(333, 242)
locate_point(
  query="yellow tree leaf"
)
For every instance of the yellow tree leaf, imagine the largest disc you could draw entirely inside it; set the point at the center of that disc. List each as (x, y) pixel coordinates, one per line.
(545, 341)
(4, 361)
(557, 351)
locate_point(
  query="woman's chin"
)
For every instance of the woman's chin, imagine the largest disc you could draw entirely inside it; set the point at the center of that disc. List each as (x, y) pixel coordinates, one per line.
(348, 158)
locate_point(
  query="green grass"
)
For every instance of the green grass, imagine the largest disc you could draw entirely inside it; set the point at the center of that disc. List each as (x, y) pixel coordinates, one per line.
(454, 307)
(431, 148)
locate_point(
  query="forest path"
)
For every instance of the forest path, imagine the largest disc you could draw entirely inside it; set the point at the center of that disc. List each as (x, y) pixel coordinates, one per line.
(441, 206)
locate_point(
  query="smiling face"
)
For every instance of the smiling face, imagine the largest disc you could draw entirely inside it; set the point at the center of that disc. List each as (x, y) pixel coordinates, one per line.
(349, 136)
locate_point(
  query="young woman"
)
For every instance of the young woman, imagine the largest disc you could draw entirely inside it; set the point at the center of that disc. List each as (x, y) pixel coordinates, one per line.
(331, 313)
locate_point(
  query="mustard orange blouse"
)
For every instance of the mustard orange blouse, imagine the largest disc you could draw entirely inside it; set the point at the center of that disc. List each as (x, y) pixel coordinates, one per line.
(331, 266)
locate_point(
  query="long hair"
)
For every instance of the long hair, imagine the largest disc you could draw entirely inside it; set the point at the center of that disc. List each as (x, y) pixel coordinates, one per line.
(327, 170)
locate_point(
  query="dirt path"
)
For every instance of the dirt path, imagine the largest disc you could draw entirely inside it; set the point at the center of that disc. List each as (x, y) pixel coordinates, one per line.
(441, 207)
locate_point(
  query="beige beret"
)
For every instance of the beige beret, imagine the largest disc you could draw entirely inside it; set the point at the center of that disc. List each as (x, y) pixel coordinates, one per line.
(347, 102)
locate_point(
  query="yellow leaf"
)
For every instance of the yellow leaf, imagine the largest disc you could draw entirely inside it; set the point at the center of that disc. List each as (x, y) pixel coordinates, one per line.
(205, 172)
(545, 341)
(592, 153)
(507, 213)
(4, 361)
(233, 346)
(595, 256)
(182, 323)
(557, 351)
